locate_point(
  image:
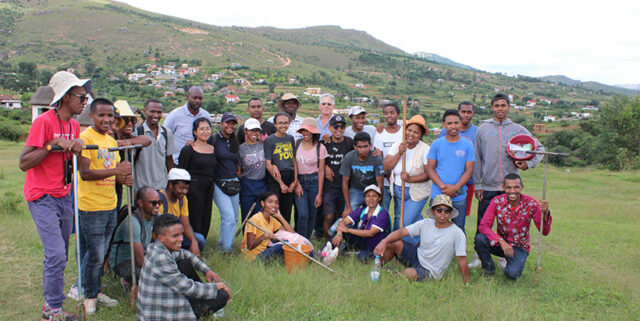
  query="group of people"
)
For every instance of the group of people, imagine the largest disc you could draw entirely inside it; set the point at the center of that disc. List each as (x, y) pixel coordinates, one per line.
(338, 181)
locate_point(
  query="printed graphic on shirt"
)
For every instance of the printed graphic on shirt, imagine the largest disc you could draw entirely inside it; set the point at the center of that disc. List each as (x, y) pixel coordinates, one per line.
(283, 150)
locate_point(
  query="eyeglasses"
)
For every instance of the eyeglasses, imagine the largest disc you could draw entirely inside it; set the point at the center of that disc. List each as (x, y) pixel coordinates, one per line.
(339, 126)
(282, 123)
(84, 97)
(131, 120)
(154, 203)
(443, 210)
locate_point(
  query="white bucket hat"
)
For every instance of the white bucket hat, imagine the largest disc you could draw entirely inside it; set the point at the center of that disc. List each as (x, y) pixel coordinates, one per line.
(62, 81)
(179, 174)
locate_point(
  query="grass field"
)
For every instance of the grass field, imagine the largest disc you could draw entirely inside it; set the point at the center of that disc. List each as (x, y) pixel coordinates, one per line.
(591, 261)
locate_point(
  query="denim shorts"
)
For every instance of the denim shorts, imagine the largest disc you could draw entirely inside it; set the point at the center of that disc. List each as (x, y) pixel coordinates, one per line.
(409, 258)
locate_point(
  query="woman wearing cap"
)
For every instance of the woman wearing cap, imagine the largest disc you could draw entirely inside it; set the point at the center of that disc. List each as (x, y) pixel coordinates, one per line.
(227, 187)
(366, 226)
(310, 157)
(199, 159)
(419, 186)
(252, 181)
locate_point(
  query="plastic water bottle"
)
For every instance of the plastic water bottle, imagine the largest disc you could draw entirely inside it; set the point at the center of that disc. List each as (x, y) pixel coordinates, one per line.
(375, 271)
(334, 227)
(219, 313)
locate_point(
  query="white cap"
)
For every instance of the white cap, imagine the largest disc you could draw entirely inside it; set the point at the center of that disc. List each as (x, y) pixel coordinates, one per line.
(372, 188)
(356, 110)
(252, 124)
(179, 174)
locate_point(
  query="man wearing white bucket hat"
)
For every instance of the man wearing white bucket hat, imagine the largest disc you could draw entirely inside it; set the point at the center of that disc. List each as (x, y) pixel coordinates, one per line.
(47, 183)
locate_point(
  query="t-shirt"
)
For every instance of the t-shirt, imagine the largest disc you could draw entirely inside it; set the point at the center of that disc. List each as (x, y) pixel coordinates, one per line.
(258, 219)
(308, 159)
(252, 160)
(379, 220)
(267, 128)
(384, 141)
(120, 249)
(174, 207)
(151, 165)
(279, 150)
(47, 177)
(99, 195)
(361, 173)
(451, 158)
(335, 155)
(180, 123)
(437, 245)
(469, 134)
(397, 171)
(349, 132)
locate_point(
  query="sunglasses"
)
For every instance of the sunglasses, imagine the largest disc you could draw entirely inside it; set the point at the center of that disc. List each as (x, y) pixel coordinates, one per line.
(154, 203)
(443, 210)
(84, 97)
(336, 126)
(131, 120)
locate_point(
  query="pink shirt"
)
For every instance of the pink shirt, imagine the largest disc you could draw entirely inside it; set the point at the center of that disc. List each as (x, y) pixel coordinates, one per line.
(513, 223)
(308, 159)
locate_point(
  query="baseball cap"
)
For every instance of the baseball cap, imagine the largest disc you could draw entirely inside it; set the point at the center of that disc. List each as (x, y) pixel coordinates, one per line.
(356, 110)
(372, 188)
(228, 116)
(252, 124)
(336, 119)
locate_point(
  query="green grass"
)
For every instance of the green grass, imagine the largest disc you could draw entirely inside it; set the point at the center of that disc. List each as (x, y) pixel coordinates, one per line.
(590, 264)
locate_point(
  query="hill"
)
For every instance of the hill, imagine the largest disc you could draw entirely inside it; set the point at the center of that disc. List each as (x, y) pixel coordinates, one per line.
(442, 60)
(560, 79)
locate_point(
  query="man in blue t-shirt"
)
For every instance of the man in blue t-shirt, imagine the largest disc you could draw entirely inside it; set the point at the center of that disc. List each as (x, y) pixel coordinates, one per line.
(450, 165)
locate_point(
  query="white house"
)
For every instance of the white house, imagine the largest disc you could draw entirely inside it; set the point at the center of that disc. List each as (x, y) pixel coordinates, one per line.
(549, 118)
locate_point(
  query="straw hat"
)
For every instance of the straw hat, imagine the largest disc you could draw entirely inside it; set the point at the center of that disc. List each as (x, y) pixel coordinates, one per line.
(442, 199)
(288, 96)
(310, 124)
(418, 120)
(62, 81)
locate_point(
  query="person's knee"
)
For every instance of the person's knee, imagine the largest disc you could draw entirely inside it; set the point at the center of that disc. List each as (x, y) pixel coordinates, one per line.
(513, 272)
(481, 241)
(410, 273)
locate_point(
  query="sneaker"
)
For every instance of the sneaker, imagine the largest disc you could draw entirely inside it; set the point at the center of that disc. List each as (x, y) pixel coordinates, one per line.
(502, 264)
(331, 256)
(73, 293)
(49, 314)
(126, 286)
(90, 306)
(326, 250)
(106, 300)
(475, 263)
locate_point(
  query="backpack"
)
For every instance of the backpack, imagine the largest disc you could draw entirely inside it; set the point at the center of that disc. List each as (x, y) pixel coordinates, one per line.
(140, 132)
(165, 204)
(122, 215)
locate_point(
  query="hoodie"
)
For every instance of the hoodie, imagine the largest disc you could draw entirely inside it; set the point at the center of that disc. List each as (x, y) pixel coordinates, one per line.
(492, 161)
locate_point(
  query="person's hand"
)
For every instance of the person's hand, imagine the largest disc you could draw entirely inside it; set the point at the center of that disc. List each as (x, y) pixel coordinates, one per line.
(276, 173)
(127, 180)
(75, 146)
(405, 177)
(267, 235)
(190, 143)
(522, 165)
(544, 208)
(402, 147)
(318, 200)
(380, 128)
(212, 276)
(326, 138)
(450, 190)
(123, 168)
(298, 189)
(376, 152)
(328, 173)
(194, 248)
(506, 248)
(223, 287)
(342, 228)
(479, 194)
(336, 240)
(380, 248)
(347, 211)
(284, 188)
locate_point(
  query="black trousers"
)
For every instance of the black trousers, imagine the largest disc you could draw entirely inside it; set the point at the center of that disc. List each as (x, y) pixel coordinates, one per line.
(202, 307)
(200, 198)
(286, 199)
(487, 196)
(123, 270)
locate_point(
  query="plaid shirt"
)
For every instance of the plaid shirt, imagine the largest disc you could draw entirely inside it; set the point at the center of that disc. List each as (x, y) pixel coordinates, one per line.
(513, 223)
(163, 290)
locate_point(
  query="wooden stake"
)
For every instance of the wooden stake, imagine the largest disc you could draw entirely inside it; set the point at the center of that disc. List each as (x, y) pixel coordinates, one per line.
(402, 159)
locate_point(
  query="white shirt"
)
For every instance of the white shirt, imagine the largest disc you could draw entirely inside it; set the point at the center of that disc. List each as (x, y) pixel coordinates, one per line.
(384, 141)
(408, 160)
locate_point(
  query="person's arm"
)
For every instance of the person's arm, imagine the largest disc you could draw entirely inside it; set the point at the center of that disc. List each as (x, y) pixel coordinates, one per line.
(295, 186)
(464, 268)
(169, 162)
(342, 226)
(253, 241)
(468, 171)
(285, 225)
(87, 174)
(542, 210)
(345, 194)
(138, 253)
(328, 173)
(135, 140)
(318, 200)
(390, 161)
(188, 233)
(165, 270)
(477, 168)
(422, 177)
(431, 171)
(394, 236)
(32, 156)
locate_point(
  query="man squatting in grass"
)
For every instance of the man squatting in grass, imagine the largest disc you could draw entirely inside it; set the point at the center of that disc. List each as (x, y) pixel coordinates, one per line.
(170, 288)
(47, 184)
(440, 239)
(513, 212)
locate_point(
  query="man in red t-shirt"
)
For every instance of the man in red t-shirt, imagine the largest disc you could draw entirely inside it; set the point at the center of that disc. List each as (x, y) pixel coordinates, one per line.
(47, 183)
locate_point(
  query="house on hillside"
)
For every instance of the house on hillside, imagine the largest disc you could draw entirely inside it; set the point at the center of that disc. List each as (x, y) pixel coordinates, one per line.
(313, 91)
(135, 77)
(358, 85)
(168, 94)
(213, 77)
(239, 81)
(232, 99)
(549, 118)
(531, 103)
(592, 108)
(208, 86)
(293, 80)
(6, 101)
(40, 101)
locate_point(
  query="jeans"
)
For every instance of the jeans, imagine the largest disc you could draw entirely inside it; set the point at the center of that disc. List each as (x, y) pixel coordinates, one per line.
(271, 253)
(53, 218)
(305, 204)
(186, 244)
(96, 229)
(386, 198)
(356, 198)
(228, 207)
(250, 189)
(412, 211)
(515, 264)
(487, 196)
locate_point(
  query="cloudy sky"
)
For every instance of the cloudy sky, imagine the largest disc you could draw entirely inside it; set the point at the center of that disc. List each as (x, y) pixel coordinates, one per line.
(584, 40)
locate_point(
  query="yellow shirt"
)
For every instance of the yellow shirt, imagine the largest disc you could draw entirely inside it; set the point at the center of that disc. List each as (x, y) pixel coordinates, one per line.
(98, 195)
(273, 225)
(174, 208)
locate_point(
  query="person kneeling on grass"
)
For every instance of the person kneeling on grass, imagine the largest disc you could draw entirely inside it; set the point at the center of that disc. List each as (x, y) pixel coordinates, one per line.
(170, 288)
(440, 239)
(365, 227)
(255, 242)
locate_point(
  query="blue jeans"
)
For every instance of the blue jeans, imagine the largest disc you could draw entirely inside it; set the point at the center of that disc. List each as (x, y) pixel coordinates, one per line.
(95, 234)
(250, 189)
(356, 198)
(459, 220)
(228, 207)
(54, 220)
(412, 211)
(386, 198)
(186, 244)
(271, 253)
(515, 264)
(305, 204)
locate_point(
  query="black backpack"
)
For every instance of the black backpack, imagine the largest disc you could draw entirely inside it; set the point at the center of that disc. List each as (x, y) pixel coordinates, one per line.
(140, 132)
(122, 215)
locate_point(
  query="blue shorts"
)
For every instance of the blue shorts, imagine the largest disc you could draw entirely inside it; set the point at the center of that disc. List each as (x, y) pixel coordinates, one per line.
(409, 258)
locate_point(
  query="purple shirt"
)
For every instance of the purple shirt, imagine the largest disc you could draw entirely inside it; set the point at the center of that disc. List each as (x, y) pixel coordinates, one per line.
(379, 220)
